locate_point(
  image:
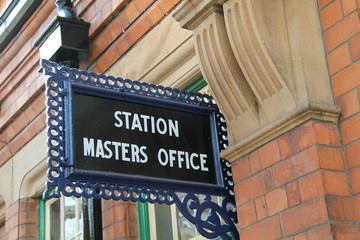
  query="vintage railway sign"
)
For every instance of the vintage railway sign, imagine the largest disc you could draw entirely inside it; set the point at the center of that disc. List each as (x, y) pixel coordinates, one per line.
(119, 139)
(114, 137)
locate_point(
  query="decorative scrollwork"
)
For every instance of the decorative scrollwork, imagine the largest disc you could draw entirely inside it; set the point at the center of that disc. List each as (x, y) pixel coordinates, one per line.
(211, 219)
(208, 215)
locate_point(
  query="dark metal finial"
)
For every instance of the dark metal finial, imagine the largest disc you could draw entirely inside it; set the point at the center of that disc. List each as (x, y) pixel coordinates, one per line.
(64, 8)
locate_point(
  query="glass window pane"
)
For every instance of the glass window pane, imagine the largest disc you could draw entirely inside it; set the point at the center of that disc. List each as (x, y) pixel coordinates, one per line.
(79, 215)
(66, 219)
(55, 225)
(186, 229)
(163, 222)
(69, 217)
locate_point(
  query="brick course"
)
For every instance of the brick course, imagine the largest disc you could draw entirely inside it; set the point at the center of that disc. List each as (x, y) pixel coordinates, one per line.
(21, 220)
(119, 219)
(305, 190)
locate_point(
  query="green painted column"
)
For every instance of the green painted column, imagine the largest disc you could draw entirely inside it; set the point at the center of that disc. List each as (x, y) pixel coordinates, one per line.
(143, 213)
(41, 219)
(197, 85)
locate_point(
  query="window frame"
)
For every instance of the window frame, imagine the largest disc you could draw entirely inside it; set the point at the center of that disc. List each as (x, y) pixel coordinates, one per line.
(11, 23)
(78, 202)
(93, 217)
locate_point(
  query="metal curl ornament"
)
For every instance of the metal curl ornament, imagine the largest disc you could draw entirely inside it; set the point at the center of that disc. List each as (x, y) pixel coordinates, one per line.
(208, 216)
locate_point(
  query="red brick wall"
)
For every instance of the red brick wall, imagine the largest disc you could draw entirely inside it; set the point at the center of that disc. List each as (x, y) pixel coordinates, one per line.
(21, 86)
(113, 33)
(21, 220)
(119, 220)
(306, 183)
(296, 185)
(341, 26)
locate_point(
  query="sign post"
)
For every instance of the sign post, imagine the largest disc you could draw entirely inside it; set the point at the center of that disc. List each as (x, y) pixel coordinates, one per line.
(114, 138)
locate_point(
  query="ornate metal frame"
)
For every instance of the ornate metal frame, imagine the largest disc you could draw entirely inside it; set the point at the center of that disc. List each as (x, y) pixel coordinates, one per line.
(211, 219)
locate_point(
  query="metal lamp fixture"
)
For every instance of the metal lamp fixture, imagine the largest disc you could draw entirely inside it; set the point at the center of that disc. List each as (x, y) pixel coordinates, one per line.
(66, 39)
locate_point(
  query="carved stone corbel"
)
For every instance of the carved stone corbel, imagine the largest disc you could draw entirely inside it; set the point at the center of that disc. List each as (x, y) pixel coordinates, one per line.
(265, 65)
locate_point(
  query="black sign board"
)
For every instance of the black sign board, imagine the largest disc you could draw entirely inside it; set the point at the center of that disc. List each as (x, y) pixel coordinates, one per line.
(115, 137)
(136, 133)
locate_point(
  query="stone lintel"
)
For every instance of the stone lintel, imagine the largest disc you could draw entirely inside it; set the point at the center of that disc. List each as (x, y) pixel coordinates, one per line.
(302, 114)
